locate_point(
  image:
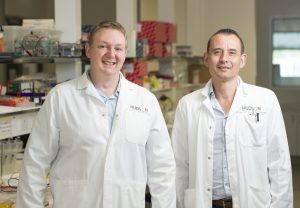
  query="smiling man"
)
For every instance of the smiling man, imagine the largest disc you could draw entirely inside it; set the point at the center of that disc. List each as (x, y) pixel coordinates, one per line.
(229, 138)
(101, 137)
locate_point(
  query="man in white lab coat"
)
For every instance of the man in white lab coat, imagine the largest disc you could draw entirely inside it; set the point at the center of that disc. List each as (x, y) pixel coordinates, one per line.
(229, 138)
(101, 137)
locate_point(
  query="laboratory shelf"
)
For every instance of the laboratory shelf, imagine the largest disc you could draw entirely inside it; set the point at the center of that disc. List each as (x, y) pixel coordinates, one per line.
(41, 60)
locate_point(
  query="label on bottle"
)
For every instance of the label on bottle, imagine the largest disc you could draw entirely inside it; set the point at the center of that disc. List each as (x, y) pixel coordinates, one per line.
(1, 43)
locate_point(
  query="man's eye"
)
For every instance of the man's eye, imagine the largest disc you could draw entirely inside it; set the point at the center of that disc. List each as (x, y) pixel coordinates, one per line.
(102, 46)
(119, 49)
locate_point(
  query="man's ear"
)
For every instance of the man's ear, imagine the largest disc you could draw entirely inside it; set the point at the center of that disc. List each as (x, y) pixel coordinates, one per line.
(243, 60)
(87, 50)
(205, 59)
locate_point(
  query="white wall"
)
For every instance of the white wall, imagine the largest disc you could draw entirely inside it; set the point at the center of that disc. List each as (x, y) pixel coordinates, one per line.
(265, 11)
(128, 19)
(204, 17)
(166, 10)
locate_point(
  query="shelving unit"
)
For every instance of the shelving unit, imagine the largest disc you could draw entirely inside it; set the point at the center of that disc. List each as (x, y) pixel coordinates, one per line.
(177, 92)
(37, 60)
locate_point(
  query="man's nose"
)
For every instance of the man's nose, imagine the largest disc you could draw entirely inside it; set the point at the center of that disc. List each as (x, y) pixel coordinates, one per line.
(224, 56)
(110, 51)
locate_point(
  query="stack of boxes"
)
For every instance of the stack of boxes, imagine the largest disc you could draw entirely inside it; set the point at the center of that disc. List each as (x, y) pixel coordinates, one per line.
(135, 70)
(159, 37)
(154, 40)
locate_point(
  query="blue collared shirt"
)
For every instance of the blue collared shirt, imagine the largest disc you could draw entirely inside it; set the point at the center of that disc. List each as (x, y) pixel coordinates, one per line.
(109, 102)
(221, 185)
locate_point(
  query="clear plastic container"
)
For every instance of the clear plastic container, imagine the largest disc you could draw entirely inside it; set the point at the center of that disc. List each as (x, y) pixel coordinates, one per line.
(12, 35)
(48, 44)
(70, 50)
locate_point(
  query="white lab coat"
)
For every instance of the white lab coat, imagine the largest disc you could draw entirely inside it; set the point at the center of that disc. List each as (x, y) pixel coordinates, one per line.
(89, 167)
(257, 150)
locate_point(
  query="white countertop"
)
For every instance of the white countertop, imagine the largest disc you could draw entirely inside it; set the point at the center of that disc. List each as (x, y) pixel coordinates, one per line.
(9, 109)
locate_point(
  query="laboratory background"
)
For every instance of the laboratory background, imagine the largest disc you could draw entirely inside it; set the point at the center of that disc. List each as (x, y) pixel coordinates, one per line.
(42, 44)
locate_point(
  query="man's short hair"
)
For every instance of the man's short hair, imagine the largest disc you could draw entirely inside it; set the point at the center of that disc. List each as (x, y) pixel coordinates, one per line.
(226, 31)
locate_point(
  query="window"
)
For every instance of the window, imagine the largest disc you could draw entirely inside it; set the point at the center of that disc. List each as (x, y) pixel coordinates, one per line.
(286, 51)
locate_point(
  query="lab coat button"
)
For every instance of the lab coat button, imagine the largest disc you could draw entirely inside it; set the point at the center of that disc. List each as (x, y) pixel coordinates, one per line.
(209, 157)
(208, 189)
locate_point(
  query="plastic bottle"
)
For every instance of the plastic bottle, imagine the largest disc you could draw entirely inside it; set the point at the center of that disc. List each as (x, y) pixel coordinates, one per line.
(1, 40)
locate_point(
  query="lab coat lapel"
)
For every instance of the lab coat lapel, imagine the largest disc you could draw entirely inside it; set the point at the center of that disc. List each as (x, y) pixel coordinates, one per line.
(85, 84)
(206, 101)
(238, 98)
(126, 92)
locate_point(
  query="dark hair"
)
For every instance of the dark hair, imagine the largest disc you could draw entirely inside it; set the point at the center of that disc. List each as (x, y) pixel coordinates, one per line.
(226, 31)
(108, 24)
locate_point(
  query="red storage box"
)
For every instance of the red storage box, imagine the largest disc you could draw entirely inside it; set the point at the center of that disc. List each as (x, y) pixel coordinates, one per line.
(167, 50)
(156, 49)
(153, 31)
(140, 68)
(171, 33)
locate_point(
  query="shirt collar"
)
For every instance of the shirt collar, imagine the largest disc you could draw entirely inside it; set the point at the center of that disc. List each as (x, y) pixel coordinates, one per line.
(117, 92)
(211, 89)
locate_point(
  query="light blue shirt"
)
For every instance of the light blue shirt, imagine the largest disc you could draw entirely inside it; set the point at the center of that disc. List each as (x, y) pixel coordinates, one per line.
(221, 185)
(109, 102)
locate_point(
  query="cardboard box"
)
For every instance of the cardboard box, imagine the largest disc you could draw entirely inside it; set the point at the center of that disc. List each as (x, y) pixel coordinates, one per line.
(198, 74)
(153, 65)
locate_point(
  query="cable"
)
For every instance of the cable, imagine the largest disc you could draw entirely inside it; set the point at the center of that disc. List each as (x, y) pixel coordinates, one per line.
(9, 187)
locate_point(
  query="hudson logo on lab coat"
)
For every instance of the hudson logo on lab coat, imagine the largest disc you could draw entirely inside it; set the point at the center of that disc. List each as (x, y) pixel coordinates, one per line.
(138, 109)
(253, 111)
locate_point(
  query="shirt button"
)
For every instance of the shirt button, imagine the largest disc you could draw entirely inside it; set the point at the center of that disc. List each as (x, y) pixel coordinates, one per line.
(209, 157)
(210, 127)
(208, 189)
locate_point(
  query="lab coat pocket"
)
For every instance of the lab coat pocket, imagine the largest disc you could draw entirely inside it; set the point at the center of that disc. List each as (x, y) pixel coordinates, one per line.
(259, 197)
(252, 132)
(135, 195)
(137, 127)
(65, 191)
(189, 198)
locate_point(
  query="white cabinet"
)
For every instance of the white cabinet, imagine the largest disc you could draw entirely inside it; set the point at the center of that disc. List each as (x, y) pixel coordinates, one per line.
(16, 121)
(292, 125)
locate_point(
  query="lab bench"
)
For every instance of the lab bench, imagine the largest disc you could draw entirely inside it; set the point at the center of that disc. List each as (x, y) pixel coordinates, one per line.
(14, 123)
